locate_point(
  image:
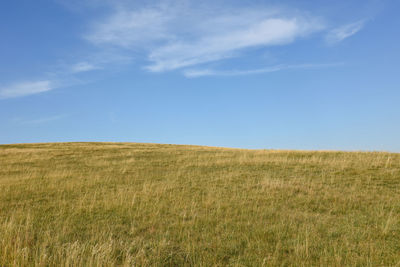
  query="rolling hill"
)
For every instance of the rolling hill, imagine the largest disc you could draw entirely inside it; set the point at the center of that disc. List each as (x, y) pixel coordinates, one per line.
(108, 204)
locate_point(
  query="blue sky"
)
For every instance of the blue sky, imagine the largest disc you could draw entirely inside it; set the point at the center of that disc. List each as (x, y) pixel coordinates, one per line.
(251, 74)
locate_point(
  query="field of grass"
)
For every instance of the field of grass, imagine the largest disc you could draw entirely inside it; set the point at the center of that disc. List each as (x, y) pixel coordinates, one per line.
(108, 204)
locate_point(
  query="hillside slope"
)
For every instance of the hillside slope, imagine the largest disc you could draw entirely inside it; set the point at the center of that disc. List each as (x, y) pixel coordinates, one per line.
(146, 204)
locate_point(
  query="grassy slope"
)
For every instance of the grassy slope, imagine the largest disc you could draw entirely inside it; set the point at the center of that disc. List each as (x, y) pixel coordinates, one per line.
(146, 204)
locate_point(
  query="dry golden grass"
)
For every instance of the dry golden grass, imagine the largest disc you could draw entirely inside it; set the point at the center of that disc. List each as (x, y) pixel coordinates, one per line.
(108, 204)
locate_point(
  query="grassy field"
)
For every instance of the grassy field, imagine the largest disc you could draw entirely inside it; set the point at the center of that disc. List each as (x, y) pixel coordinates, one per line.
(107, 204)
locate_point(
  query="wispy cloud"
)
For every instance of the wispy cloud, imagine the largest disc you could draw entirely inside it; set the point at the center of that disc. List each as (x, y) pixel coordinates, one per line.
(83, 67)
(26, 88)
(345, 31)
(193, 73)
(184, 35)
(267, 32)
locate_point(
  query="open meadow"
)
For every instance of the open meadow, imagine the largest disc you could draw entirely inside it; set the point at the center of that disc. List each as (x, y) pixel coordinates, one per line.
(132, 204)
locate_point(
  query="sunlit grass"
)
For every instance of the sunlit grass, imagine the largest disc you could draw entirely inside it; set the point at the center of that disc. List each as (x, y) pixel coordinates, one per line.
(107, 204)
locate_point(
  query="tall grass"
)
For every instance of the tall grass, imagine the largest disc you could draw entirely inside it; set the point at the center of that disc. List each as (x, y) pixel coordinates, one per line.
(108, 204)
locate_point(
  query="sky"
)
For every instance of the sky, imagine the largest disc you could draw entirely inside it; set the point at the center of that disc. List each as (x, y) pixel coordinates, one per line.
(304, 74)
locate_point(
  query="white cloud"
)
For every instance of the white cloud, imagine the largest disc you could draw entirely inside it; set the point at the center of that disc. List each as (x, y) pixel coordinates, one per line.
(26, 88)
(83, 67)
(210, 72)
(208, 48)
(131, 28)
(182, 35)
(345, 31)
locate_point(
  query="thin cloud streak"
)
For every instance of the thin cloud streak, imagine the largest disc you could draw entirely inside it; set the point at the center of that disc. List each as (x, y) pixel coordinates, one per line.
(26, 88)
(211, 72)
(343, 32)
(83, 67)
